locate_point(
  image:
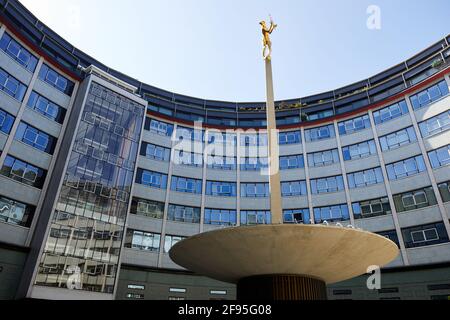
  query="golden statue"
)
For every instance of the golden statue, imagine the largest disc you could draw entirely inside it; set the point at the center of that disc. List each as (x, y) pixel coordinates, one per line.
(267, 51)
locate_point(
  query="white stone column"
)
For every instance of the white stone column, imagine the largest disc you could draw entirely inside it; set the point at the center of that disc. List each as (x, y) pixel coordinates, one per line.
(274, 151)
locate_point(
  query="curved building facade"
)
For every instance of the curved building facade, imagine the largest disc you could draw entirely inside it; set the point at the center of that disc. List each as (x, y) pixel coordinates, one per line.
(102, 174)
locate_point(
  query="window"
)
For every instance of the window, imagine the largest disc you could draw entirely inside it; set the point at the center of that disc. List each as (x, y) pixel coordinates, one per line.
(323, 158)
(189, 134)
(331, 214)
(46, 107)
(151, 179)
(155, 152)
(159, 127)
(220, 217)
(391, 235)
(144, 241)
(186, 185)
(18, 52)
(293, 137)
(440, 157)
(170, 241)
(435, 125)
(188, 158)
(23, 172)
(365, 178)
(35, 138)
(221, 189)
(390, 113)
(292, 162)
(293, 188)
(371, 208)
(56, 80)
(297, 216)
(222, 163)
(183, 214)
(405, 168)
(12, 86)
(254, 164)
(136, 296)
(254, 190)
(136, 287)
(147, 208)
(428, 96)
(254, 140)
(444, 189)
(354, 125)
(6, 122)
(14, 212)
(327, 185)
(359, 151)
(320, 133)
(416, 199)
(425, 235)
(398, 139)
(255, 217)
(218, 292)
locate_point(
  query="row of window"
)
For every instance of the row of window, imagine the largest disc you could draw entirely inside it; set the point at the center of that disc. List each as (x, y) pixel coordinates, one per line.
(386, 114)
(317, 159)
(147, 241)
(18, 52)
(403, 202)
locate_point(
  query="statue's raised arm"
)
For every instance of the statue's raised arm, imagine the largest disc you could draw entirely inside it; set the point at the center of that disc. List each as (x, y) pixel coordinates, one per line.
(267, 31)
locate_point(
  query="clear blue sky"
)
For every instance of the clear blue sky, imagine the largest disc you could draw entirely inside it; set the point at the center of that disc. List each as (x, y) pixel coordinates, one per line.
(212, 49)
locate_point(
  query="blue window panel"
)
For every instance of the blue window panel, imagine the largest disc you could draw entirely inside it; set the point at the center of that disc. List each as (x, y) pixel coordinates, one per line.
(254, 190)
(18, 52)
(293, 137)
(405, 168)
(327, 185)
(56, 80)
(12, 86)
(321, 133)
(254, 164)
(254, 140)
(151, 179)
(220, 217)
(440, 157)
(221, 189)
(46, 107)
(389, 113)
(360, 150)
(428, 96)
(159, 127)
(365, 178)
(292, 162)
(23, 172)
(255, 217)
(331, 214)
(155, 152)
(222, 163)
(188, 159)
(354, 125)
(180, 184)
(6, 122)
(294, 188)
(35, 138)
(425, 235)
(300, 216)
(435, 125)
(323, 158)
(398, 139)
(189, 134)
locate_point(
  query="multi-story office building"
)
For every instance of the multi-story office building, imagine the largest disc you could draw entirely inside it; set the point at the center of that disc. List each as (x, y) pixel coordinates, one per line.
(102, 174)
